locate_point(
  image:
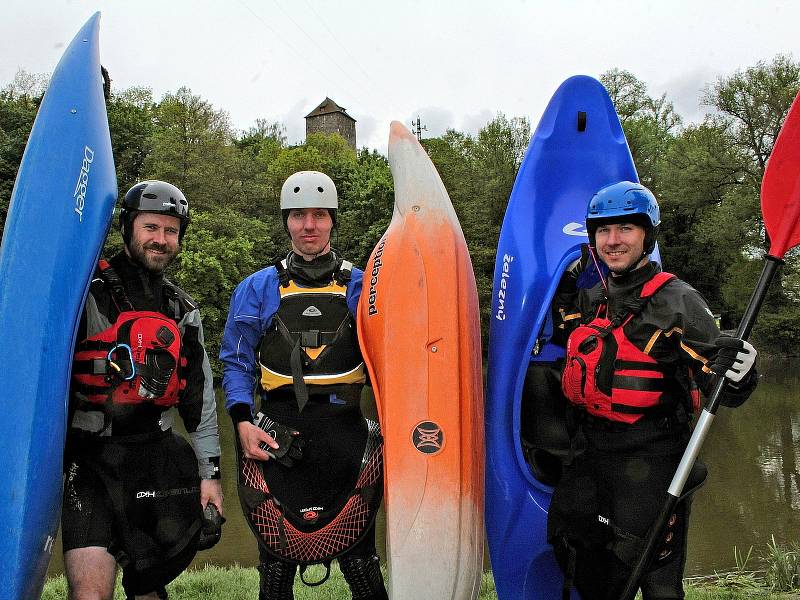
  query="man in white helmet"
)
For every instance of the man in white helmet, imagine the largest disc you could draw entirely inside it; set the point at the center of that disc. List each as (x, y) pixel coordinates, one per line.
(310, 465)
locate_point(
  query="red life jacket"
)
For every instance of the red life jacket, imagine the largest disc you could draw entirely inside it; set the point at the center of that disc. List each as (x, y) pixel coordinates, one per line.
(608, 376)
(138, 359)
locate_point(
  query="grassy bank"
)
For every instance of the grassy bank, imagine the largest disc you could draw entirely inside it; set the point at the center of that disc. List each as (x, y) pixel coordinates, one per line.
(242, 584)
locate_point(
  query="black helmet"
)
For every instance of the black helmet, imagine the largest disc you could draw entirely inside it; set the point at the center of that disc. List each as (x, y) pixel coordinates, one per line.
(153, 197)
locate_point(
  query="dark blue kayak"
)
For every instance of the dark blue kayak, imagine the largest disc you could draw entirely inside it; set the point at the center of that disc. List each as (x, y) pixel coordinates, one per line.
(60, 209)
(577, 148)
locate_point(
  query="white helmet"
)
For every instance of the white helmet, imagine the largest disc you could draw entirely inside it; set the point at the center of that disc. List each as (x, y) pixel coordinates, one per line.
(309, 189)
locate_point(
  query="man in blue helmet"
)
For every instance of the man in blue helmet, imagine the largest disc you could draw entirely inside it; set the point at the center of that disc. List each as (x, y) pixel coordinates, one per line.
(135, 493)
(640, 344)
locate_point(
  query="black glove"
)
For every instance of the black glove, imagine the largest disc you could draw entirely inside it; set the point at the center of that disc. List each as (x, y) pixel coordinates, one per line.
(735, 358)
(211, 531)
(290, 442)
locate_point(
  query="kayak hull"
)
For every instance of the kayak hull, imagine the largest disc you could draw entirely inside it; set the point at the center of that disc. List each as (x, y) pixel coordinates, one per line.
(577, 148)
(420, 333)
(60, 209)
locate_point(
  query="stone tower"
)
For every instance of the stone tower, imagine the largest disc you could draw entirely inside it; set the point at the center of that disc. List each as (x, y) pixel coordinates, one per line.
(329, 117)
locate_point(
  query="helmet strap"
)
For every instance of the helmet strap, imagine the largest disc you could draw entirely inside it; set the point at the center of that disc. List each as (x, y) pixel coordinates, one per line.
(593, 254)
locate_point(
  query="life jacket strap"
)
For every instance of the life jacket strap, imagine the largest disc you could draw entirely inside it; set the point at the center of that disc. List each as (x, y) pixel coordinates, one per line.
(94, 345)
(282, 268)
(90, 390)
(115, 286)
(300, 387)
(303, 568)
(635, 365)
(639, 384)
(651, 412)
(94, 366)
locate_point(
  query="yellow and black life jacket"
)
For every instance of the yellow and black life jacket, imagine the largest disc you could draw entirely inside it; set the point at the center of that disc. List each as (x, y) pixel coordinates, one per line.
(312, 340)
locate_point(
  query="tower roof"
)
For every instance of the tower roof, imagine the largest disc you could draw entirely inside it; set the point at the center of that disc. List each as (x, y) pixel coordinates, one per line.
(328, 106)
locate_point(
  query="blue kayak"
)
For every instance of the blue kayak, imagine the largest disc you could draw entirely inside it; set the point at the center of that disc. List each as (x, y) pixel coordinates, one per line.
(578, 147)
(60, 210)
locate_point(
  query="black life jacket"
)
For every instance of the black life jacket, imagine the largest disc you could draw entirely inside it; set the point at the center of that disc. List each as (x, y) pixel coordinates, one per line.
(312, 341)
(137, 359)
(608, 376)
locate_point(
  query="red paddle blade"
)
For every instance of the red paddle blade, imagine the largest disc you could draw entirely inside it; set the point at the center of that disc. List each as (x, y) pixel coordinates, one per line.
(780, 189)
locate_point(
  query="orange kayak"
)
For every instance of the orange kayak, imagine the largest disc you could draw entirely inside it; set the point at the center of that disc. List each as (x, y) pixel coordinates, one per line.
(419, 329)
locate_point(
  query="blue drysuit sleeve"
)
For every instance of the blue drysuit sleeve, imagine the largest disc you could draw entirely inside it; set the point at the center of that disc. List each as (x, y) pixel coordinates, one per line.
(255, 300)
(354, 290)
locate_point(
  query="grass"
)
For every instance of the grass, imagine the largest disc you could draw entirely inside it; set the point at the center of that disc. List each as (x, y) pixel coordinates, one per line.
(783, 572)
(236, 583)
(780, 581)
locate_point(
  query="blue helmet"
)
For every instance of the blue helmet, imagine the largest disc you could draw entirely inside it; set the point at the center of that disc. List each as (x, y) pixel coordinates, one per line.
(625, 201)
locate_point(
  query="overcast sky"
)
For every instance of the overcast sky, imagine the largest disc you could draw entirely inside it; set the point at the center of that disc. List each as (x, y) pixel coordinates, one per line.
(455, 63)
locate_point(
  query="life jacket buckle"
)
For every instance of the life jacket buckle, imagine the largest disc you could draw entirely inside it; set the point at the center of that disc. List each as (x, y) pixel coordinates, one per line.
(310, 339)
(114, 365)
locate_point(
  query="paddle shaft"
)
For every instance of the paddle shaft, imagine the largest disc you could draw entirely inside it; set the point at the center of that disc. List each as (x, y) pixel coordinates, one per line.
(699, 434)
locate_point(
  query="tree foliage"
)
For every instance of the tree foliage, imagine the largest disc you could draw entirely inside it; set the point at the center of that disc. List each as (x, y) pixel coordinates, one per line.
(479, 172)
(19, 101)
(706, 175)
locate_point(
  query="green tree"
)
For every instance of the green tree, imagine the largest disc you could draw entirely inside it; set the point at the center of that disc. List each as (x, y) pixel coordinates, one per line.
(478, 173)
(257, 148)
(703, 224)
(752, 105)
(19, 102)
(220, 249)
(192, 149)
(649, 123)
(131, 121)
(328, 153)
(366, 204)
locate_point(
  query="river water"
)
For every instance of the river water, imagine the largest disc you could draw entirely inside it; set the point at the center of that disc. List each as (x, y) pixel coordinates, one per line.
(752, 492)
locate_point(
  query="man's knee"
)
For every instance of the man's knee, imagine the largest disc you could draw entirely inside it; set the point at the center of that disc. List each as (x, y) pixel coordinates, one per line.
(91, 573)
(363, 575)
(665, 583)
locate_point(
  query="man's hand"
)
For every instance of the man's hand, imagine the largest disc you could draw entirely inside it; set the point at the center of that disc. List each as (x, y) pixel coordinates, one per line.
(735, 358)
(290, 442)
(211, 530)
(251, 438)
(211, 491)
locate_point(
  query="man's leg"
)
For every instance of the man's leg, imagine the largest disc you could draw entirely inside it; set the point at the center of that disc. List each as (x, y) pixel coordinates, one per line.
(276, 577)
(91, 573)
(666, 583)
(361, 568)
(363, 575)
(86, 534)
